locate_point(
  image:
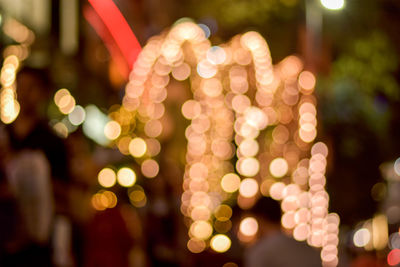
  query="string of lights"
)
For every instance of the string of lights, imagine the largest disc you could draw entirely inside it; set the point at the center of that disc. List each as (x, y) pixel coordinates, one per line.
(242, 107)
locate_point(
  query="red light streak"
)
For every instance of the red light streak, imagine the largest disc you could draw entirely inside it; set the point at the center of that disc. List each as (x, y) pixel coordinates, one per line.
(118, 28)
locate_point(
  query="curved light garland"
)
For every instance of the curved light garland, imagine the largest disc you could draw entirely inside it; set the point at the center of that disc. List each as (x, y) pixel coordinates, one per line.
(242, 107)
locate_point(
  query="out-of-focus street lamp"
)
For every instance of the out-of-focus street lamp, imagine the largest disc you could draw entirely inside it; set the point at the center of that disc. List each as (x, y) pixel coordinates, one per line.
(333, 4)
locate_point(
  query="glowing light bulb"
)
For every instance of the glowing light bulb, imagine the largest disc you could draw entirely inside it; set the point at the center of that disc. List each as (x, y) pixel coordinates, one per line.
(333, 4)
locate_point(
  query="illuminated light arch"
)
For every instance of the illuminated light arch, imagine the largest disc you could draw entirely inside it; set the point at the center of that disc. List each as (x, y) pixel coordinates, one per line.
(242, 105)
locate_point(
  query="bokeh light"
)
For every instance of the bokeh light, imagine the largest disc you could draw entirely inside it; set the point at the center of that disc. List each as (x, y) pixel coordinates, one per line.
(230, 182)
(248, 187)
(393, 257)
(278, 167)
(126, 177)
(397, 166)
(196, 246)
(137, 196)
(220, 243)
(248, 226)
(112, 130)
(201, 230)
(77, 116)
(361, 237)
(333, 4)
(137, 147)
(237, 93)
(150, 168)
(107, 177)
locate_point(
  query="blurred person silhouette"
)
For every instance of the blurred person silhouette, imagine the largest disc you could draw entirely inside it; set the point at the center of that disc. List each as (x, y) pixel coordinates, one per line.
(274, 248)
(37, 171)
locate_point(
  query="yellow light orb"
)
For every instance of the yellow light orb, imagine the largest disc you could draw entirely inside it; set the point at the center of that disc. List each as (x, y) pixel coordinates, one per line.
(137, 147)
(223, 213)
(112, 130)
(200, 213)
(248, 166)
(67, 104)
(107, 177)
(248, 226)
(108, 199)
(126, 177)
(276, 190)
(278, 167)
(301, 232)
(201, 230)
(230, 182)
(248, 187)
(220, 243)
(138, 197)
(333, 4)
(59, 95)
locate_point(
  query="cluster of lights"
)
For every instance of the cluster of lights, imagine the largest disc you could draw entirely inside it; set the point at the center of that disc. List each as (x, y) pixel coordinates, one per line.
(13, 56)
(373, 234)
(393, 258)
(324, 226)
(8, 101)
(120, 131)
(242, 105)
(125, 177)
(292, 178)
(104, 199)
(75, 114)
